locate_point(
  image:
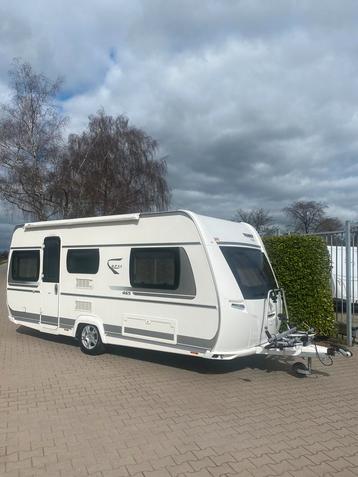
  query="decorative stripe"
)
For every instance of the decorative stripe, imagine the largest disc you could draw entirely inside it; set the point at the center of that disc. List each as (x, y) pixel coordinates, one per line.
(45, 319)
(66, 323)
(113, 329)
(26, 319)
(49, 320)
(188, 343)
(184, 347)
(211, 307)
(157, 244)
(25, 316)
(149, 333)
(165, 295)
(196, 342)
(115, 335)
(182, 341)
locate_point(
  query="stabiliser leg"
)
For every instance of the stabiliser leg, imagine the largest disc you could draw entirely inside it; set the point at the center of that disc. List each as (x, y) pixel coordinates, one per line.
(301, 370)
(309, 366)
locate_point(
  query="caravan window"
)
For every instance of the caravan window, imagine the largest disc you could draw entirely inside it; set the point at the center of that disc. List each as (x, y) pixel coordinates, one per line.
(155, 268)
(83, 260)
(251, 271)
(51, 260)
(25, 265)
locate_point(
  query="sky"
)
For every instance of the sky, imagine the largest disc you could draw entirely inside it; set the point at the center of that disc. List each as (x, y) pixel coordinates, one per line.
(254, 103)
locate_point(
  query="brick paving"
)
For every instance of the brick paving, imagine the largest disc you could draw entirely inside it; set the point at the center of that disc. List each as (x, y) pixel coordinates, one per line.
(132, 412)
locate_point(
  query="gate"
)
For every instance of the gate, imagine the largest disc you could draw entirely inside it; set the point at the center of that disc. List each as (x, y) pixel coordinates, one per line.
(343, 250)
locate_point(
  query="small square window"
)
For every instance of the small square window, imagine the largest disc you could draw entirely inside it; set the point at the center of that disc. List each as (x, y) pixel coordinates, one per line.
(83, 261)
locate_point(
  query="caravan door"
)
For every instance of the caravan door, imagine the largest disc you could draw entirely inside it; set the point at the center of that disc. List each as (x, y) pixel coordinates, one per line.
(50, 282)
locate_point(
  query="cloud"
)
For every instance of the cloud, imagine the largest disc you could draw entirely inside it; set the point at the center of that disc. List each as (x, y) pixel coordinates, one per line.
(253, 103)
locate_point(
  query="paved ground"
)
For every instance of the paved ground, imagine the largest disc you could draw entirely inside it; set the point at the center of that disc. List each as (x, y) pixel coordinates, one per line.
(63, 413)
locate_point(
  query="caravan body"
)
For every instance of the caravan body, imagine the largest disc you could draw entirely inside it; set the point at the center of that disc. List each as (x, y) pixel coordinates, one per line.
(337, 255)
(176, 282)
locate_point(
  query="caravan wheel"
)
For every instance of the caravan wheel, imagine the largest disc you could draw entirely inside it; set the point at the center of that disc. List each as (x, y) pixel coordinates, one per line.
(90, 340)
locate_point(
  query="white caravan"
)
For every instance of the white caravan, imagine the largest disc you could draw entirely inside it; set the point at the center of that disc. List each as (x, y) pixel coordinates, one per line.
(337, 255)
(175, 281)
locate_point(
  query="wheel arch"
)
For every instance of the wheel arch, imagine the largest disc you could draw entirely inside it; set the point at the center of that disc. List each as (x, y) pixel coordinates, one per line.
(89, 320)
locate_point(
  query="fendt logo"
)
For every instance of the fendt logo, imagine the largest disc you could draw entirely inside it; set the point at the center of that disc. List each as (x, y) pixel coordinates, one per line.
(114, 264)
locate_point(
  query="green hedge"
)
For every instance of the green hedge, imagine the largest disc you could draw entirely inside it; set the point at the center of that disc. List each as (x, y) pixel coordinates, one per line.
(302, 267)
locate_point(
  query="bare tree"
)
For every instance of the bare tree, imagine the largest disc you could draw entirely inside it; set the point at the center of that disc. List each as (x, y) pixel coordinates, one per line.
(330, 224)
(111, 168)
(258, 218)
(305, 216)
(30, 142)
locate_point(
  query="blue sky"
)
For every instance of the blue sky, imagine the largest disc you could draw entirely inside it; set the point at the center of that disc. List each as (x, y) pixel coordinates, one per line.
(254, 104)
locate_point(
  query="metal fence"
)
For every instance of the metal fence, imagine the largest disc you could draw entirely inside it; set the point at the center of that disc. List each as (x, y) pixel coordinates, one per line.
(343, 250)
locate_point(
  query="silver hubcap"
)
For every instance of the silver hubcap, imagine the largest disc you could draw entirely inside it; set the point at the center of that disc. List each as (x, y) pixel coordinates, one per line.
(89, 336)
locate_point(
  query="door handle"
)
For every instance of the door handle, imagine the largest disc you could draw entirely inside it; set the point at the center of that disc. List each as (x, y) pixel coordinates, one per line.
(56, 288)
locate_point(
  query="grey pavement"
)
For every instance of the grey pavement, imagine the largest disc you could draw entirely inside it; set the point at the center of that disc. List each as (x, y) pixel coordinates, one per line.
(132, 412)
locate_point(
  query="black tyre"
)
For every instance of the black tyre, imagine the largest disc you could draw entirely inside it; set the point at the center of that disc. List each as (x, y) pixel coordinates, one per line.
(90, 340)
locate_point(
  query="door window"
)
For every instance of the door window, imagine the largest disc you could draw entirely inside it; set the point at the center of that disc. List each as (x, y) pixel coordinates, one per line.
(51, 262)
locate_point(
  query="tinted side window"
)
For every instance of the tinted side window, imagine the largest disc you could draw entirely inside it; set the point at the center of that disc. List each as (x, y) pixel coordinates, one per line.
(51, 260)
(83, 260)
(251, 271)
(25, 265)
(157, 268)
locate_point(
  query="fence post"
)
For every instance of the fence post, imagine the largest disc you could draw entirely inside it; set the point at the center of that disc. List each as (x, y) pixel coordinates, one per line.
(348, 282)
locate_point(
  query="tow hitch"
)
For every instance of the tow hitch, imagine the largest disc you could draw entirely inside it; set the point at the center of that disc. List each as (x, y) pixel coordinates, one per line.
(295, 343)
(339, 349)
(301, 344)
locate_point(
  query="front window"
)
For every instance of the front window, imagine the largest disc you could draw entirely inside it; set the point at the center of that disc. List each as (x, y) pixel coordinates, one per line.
(251, 270)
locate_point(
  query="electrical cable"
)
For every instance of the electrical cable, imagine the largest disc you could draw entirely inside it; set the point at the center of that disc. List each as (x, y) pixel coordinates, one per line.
(330, 359)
